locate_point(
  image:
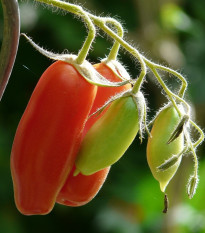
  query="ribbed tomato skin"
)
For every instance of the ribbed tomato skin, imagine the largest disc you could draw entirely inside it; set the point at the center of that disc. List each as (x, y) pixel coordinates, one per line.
(48, 137)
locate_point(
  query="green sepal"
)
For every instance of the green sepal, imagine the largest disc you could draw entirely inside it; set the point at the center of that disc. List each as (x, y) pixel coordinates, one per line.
(192, 186)
(168, 163)
(179, 129)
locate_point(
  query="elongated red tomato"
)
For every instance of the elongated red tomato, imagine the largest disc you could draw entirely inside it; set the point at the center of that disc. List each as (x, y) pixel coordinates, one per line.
(48, 137)
(79, 190)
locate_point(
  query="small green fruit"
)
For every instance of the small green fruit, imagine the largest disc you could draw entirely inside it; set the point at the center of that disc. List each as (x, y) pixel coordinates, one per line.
(159, 151)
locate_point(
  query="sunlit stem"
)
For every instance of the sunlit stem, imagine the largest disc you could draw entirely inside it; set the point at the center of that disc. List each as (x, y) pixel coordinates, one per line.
(75, 9)
(115, 49)
(134, 52)
(170, 93)
(101, 24)
(192, 184)
(195, 159)
(200, 132)
(88, 42)
(156, 74)
(173, 72)
(196, 163)
(139, 82)
(145, 121)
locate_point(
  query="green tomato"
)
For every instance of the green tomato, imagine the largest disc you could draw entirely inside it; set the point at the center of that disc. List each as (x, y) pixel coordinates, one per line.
(158, 150)
(111, 135)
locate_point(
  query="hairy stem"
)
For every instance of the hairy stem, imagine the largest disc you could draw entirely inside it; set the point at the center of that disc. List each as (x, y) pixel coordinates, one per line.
(97, 21)
(201, 138)
(101, 22)
(173, 72)
(156, 74)
(115, 49)
(77, 10)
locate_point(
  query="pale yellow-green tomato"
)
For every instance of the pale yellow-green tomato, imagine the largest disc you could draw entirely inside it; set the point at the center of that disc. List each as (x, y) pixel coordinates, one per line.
(158, 151)
(110, 136)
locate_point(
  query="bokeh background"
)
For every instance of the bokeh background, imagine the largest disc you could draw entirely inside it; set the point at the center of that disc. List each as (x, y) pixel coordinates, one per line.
(169, 32)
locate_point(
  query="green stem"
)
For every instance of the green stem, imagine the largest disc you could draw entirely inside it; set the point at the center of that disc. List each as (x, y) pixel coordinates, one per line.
(88, 42)
(78, 11)
(196, 163)
(169, 93)
(183, 80)
(139, 81)
(156, 74)
(200, 132)
(101, 23)
(10, 41)
(115, 49)
(97, 21)
(191, 146)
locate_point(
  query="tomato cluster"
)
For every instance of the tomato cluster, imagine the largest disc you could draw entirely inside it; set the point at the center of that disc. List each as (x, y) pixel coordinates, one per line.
(82, 118)
(73, 131)
(49, 136)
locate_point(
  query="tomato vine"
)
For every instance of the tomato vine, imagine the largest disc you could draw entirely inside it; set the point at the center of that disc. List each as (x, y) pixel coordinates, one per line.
(131, 100)
(101, 22)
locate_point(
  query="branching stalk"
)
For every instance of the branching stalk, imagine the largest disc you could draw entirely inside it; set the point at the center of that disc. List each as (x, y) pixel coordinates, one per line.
(173, 72)
(77, 10)
(101, 22)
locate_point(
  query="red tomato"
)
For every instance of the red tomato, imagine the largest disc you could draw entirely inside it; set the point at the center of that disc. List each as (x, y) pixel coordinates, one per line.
(48, 137)
(79, 190)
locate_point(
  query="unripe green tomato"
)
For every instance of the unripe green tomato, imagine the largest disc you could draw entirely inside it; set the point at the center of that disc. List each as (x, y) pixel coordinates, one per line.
(110, 136)
(158, 151)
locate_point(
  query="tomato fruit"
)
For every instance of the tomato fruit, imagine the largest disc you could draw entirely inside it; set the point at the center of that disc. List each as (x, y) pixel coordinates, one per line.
(48, 137)
(79, 190)
(110, 136)
(158, 150)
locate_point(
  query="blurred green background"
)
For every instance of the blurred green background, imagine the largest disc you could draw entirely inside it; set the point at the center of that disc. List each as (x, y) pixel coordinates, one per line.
(169, 32)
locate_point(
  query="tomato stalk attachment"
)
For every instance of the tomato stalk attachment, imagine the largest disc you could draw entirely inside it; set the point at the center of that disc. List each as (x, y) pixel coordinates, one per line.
(88, 72)
(115, 49)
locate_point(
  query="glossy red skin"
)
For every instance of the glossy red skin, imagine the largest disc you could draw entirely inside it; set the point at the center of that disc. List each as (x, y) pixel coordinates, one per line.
(79, 190)
(48, 137)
